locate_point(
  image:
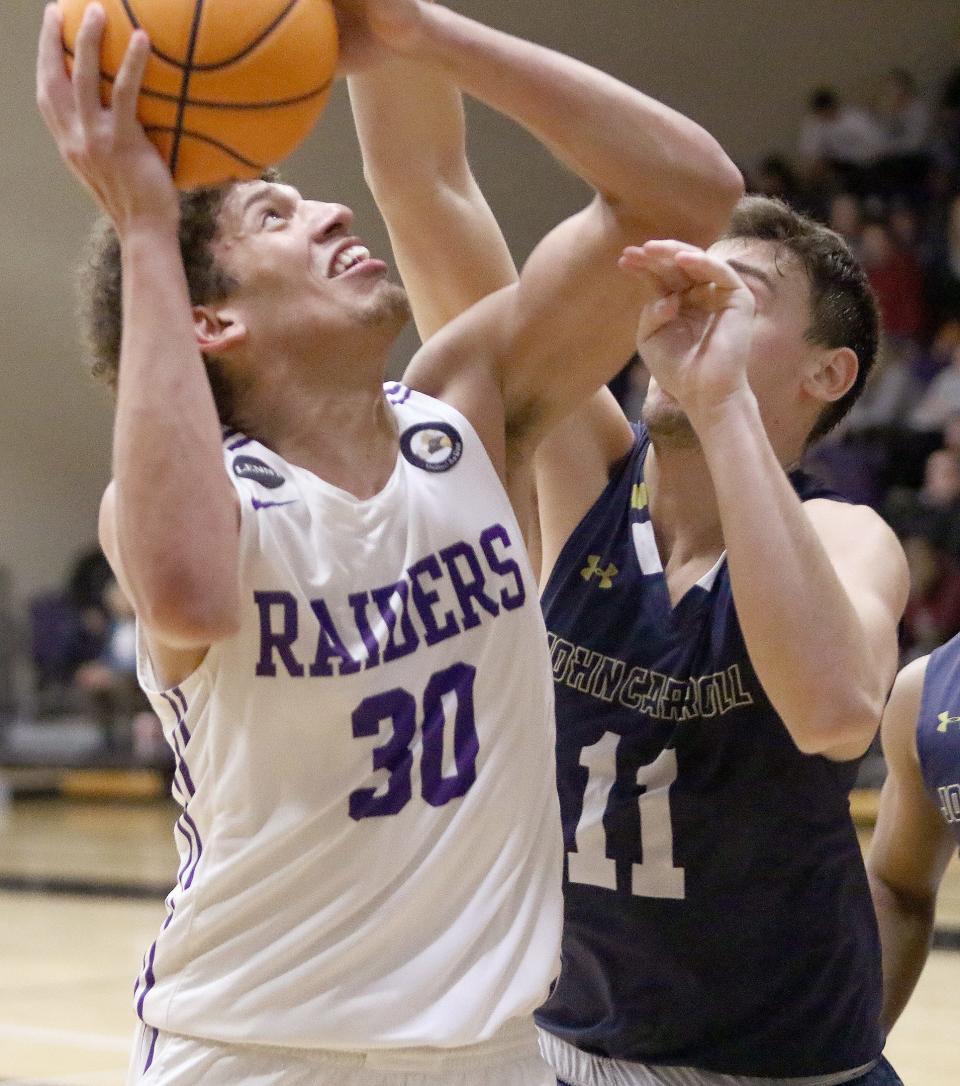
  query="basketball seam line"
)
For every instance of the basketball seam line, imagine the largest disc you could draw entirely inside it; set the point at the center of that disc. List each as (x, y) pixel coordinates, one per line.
(185, 86)
(244, 52)
(204, 103)
(207, 139)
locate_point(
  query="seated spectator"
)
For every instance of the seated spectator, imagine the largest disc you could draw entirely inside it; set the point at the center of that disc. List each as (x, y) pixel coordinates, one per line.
(943, 274)
(933, 511)
(872, 450)
(775, 177)
(903, 160)
(897, 281)
(932, 360)
(932, 615)
(846, 217)
(941, 401)
(116, 699)
(68, 628)
(891, 393)
(838, 141)
(910, 232)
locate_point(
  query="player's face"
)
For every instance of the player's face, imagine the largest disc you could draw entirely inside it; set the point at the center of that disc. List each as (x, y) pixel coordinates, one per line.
(299, 269)
(779, 350)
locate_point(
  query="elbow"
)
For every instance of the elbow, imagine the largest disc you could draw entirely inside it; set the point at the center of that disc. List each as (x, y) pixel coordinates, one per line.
(846, 727)
(729, 191)
(713, 200)
(695, 206)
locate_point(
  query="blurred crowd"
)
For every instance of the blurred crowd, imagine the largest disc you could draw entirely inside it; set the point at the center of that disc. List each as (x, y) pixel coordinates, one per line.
(885, 173)
(84, 658)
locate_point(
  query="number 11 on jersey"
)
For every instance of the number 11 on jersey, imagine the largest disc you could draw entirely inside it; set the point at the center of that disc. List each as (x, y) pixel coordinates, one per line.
(595, 861)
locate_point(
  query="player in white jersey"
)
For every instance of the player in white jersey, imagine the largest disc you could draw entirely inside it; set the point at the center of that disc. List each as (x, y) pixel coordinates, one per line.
(340, 630)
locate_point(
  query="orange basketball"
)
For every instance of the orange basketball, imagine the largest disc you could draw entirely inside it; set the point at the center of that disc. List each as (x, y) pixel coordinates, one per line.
(231, 86)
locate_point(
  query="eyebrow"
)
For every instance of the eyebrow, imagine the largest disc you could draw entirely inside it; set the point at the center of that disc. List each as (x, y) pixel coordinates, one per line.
(258, 193)
(266, 189)
(754, 273)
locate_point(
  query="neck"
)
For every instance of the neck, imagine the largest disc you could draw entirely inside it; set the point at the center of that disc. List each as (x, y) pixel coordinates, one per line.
(333, 421)
(683, 503)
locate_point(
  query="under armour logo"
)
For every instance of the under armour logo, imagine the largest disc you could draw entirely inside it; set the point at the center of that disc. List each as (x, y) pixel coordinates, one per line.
(946, 720)
(592, 569)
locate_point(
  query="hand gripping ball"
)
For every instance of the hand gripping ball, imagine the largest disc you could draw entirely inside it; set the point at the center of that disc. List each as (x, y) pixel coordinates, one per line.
(231, 86)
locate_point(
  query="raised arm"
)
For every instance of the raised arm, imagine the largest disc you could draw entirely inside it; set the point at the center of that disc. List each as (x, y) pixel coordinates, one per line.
(539, 347)
(169, 522)
(910, 850)
(448, 247)
(819, 586)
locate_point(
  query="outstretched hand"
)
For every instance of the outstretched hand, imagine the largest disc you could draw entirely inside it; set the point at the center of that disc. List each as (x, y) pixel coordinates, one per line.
(105, 147)
(696, 322)
(373, 30)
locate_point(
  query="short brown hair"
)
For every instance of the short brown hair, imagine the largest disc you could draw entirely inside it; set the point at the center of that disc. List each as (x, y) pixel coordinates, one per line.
(842, 304)
(100, 286)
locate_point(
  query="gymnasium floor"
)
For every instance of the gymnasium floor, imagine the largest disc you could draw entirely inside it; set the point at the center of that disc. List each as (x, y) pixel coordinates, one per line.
(68, 960)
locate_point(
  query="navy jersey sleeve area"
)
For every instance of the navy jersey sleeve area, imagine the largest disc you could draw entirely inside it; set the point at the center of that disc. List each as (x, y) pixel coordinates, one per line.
(717, 913)
(808, 486)
(607, 514)
(938, 732)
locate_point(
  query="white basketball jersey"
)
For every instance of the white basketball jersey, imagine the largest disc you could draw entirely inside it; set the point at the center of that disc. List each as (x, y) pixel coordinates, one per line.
(370, 844)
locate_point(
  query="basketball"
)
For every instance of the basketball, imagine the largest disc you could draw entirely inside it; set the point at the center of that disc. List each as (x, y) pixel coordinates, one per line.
(230, 88)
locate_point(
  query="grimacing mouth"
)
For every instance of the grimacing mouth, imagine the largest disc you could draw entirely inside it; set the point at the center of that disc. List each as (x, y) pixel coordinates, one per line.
(347, 255)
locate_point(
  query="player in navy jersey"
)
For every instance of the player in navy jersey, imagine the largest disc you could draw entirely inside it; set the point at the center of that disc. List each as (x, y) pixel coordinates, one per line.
(337, 623)
(918, 826)
(723, 637)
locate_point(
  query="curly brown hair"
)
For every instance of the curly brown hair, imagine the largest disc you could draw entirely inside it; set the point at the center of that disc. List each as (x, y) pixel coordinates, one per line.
(100, 286)
(842, 304)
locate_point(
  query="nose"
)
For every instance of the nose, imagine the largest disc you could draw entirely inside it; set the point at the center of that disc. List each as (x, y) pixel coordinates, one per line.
(328, 220)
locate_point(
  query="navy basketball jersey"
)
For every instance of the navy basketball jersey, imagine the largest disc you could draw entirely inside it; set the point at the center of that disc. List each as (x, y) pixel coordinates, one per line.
(717, 912)
(938, 731)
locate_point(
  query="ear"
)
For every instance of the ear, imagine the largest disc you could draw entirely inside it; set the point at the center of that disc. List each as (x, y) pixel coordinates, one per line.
(217, 330)
(831, 375)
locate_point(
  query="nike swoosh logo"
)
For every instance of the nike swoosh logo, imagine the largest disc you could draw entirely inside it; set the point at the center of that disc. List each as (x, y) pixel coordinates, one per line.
(269, 505)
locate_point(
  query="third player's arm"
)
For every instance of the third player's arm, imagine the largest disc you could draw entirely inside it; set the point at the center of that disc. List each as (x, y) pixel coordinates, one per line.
(910, 849)
(448, 246)
(566, 327)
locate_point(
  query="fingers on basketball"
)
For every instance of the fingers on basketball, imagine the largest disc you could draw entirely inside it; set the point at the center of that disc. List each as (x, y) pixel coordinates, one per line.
(228, 88)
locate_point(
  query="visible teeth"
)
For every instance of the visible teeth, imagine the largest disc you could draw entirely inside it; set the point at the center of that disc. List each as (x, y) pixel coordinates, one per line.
(350, 256)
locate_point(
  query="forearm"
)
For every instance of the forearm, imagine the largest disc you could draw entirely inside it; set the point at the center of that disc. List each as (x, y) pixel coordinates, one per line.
(650, 162)
(906, 932)
(175, 512)
(448, 246)
(804, 636)
(410, 124)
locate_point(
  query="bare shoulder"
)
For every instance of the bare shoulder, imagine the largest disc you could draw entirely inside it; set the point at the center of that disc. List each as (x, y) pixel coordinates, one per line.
(857, 523)
(898, 729)
(456, 366)
(862, 546)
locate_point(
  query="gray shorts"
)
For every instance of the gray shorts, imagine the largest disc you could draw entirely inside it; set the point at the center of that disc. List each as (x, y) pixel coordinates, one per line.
(577, 1068)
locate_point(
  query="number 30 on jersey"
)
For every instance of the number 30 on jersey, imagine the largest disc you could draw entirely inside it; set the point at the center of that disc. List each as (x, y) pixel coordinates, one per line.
(448, 691)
